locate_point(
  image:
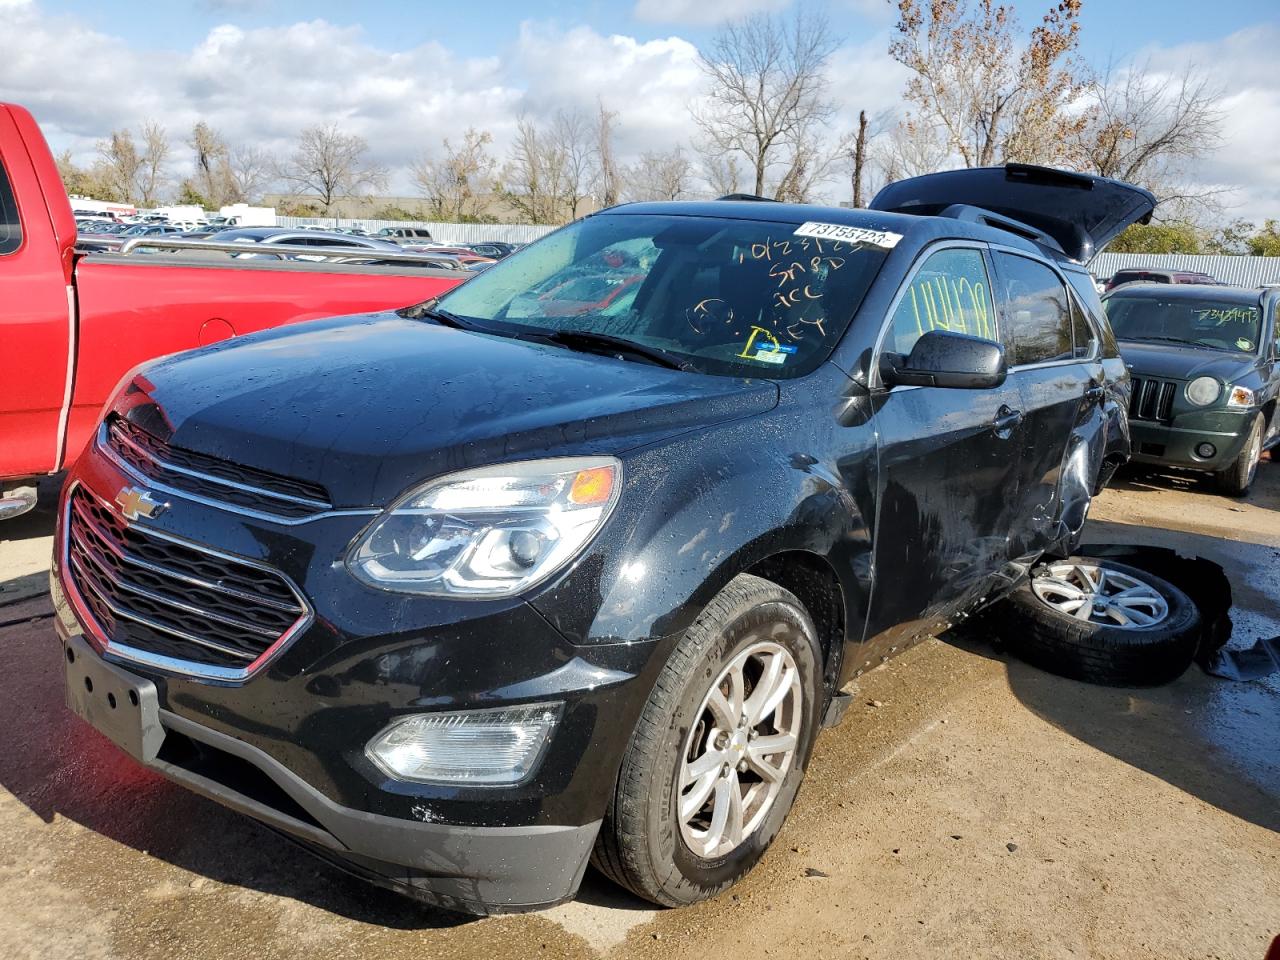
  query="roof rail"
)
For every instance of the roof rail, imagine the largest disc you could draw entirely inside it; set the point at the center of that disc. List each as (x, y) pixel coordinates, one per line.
(971, 214)
(747, 196)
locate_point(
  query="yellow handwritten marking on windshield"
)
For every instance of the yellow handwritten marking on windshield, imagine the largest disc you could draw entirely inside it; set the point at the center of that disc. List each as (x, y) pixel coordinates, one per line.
(747, 353)
(1222, 315)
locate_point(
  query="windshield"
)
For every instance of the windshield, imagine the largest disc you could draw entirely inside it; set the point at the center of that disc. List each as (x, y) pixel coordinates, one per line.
(729, 297)
(1195, 321)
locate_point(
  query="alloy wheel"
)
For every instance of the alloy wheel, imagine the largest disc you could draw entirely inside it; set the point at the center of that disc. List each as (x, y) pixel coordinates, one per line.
(740, 748)
(1093, 593)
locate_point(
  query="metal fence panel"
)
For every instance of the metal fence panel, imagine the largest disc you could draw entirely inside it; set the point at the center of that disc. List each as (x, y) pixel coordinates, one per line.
(440, 232)
(1238, 271)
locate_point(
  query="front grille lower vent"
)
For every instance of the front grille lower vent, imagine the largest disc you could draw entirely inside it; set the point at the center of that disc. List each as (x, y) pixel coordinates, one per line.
(1152, 399)
(173, 599)
(210, 477)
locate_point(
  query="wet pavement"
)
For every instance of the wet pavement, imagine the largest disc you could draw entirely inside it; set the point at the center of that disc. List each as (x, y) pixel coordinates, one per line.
(967, 806)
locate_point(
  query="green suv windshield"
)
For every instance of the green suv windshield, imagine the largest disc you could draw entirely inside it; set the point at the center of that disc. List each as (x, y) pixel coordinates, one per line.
(722, 296)
(1194, 321)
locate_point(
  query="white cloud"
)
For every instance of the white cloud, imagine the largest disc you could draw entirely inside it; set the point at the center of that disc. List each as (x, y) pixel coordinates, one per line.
(1247, 163)
(702, 12)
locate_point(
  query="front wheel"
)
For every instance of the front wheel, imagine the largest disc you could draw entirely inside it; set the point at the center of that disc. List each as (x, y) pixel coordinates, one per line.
(720, 749)
(1236, 479)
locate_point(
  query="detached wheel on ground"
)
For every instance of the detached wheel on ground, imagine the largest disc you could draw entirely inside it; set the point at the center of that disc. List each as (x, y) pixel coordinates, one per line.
(1102, 622)
(720, 749)
(1236, 479)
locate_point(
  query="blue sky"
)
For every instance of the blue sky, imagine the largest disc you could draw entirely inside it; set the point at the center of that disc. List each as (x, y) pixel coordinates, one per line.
(1110, 28)
(405, 76)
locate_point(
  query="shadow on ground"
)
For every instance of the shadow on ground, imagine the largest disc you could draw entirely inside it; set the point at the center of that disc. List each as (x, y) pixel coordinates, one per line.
(1214, 739)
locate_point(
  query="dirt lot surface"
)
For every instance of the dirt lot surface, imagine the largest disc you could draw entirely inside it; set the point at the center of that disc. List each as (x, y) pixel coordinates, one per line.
(968, 806)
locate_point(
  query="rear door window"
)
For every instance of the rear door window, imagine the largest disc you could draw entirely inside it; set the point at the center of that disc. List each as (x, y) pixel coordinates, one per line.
(1036, 311)
(10, 225)
(950, 291)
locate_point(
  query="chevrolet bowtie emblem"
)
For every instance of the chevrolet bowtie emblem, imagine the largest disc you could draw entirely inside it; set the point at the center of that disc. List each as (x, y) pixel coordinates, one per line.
(135, 503)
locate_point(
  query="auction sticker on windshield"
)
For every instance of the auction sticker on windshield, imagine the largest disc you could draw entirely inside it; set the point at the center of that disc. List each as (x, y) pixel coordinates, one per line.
(839, 231)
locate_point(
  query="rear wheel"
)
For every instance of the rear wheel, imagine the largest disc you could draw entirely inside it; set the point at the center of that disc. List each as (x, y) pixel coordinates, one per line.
(720, 749)
(1103, 622)
(1236, 479)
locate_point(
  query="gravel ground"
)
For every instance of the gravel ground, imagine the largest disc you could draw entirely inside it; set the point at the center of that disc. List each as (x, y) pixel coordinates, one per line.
(968, 806)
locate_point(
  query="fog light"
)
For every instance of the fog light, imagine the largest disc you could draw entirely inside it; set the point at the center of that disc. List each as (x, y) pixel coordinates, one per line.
(501, 746)
(1206, 451)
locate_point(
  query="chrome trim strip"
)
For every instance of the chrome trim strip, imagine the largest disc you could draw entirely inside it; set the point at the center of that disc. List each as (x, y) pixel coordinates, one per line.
(187, 668)
(199, 475)
(126, 557)
(64, 415)
(222, 505)
(155, 624)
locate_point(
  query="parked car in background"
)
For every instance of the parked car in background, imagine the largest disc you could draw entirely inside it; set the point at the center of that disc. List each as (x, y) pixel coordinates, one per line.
(316, 238)
(404, 234)
(1206, 375)
(463, 255)
(493, 249)
(502, 585)
(1158, 276)
(74, 324)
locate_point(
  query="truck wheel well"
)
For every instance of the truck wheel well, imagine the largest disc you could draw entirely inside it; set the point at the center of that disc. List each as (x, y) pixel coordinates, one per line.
(816, 585)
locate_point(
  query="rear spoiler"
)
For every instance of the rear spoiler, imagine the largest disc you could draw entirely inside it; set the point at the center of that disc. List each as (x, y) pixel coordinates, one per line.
(1075, 213)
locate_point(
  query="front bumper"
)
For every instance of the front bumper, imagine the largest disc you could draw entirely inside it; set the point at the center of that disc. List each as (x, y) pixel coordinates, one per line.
(473, 869)
(1174, 444)
(286, 746)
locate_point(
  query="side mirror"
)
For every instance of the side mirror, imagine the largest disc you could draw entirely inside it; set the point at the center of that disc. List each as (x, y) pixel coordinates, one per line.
(943, 359)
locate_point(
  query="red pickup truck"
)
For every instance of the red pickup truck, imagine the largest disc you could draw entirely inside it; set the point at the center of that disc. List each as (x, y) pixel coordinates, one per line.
(72, 324)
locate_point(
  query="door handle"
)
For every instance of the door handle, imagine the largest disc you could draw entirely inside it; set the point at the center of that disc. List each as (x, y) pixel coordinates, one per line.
(1095, 392)
(1006, 419)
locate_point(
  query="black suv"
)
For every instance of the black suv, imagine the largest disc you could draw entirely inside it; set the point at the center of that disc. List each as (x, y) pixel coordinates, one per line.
(1206, 374)
(573, 563)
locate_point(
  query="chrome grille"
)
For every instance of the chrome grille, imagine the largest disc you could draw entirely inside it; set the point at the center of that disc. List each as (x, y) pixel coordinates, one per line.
(1151, 399)
(220, 481)
(156, 597)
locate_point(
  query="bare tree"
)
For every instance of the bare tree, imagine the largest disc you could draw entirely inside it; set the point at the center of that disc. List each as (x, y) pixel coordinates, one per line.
(153, 174)
(530, 175)
(1148, 128)
(609, 186)
(811, 162)
(211, 179)
(330, 165)
(573, 143)
(663, 175)
(120, 165)
(456, 185)
(859, 157)
(907, 149)
(768, 88)
(996, 95)
(250, 170)
(722, 172)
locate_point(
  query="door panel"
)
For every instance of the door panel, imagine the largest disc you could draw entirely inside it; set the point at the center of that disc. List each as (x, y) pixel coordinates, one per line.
(1055, 378)
(949, 465)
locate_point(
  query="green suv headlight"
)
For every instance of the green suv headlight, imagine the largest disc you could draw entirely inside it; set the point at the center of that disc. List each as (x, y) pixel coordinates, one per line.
(1203, 391)
(491, 532)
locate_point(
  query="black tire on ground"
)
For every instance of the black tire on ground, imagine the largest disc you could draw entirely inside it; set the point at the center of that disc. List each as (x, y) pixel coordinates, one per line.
(1095, 652)
(1236, 479)
(640, 845)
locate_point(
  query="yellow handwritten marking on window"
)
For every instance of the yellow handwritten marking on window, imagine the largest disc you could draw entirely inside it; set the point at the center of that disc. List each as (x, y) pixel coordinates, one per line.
(748, 349)
(954, 304)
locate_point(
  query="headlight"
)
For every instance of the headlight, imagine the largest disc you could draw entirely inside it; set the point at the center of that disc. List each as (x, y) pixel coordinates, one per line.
(1202, 391)
(1240, 397)
(491, 532)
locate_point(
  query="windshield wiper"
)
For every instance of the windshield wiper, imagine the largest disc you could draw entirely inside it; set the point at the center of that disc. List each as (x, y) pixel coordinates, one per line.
(616, 345)
(430, 311)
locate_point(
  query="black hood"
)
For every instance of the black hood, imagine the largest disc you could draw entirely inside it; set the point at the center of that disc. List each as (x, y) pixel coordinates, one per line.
(368, 406)
(1081, 213)
(1172, 362)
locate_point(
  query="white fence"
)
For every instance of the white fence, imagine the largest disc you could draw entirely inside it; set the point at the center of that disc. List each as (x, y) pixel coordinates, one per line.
(1238, 271)
(446, 232)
